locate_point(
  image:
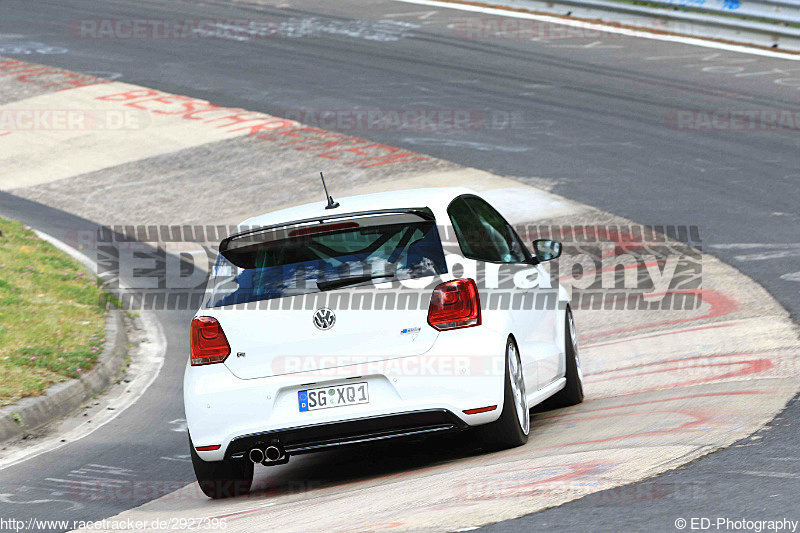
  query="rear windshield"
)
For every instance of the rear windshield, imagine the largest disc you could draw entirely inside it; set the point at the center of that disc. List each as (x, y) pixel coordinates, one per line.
(291, 261)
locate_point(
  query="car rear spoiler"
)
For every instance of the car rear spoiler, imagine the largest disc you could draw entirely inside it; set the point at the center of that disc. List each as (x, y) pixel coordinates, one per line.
(233, 244)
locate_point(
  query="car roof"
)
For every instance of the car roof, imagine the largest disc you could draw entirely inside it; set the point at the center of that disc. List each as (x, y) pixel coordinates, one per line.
(433, 197)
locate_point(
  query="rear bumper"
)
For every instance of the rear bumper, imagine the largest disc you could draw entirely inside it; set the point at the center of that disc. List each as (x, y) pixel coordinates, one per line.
(318, 437)
(234, 413)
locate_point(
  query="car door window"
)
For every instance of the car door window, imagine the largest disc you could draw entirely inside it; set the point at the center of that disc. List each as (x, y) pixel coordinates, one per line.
(483, 233)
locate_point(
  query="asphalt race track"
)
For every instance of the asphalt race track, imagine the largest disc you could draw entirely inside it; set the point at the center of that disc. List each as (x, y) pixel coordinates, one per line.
(589, 118)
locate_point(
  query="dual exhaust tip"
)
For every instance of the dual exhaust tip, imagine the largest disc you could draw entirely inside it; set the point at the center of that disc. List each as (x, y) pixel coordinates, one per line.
(265, 455)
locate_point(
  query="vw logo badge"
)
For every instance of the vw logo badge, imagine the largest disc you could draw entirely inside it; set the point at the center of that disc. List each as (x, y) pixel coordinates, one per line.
(324, 318)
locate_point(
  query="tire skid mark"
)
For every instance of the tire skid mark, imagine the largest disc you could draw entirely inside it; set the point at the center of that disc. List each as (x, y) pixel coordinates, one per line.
(649, 402)
(721, 305)
(517, 482)
(698, 420)
(752, 366)
(671, 332)
(612, 268)
(551, 420)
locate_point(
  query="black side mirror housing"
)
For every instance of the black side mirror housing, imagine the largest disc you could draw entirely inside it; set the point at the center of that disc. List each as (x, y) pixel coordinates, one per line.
(546, 249)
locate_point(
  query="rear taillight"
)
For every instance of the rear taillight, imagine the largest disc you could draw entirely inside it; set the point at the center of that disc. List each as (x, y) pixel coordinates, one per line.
(208, 342)
(455, 304)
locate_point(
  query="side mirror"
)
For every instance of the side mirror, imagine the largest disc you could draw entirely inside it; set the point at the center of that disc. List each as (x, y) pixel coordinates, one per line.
(546, 249)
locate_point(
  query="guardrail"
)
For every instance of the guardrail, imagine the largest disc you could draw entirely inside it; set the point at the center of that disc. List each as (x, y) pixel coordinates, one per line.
(779, 11)
(768, 23)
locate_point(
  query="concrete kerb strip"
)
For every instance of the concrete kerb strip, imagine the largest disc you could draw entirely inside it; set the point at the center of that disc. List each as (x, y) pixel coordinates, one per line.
(35, 412)
(60, 399)
(142, 368)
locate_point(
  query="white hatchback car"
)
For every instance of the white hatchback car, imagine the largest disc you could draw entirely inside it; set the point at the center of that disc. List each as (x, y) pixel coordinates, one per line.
(399, 314)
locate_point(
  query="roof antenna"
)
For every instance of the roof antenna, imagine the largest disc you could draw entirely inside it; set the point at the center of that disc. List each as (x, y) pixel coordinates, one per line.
(331, 203)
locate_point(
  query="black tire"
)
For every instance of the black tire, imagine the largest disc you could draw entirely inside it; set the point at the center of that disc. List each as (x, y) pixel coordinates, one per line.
(222, 479)
(572, 393)
(506, 431)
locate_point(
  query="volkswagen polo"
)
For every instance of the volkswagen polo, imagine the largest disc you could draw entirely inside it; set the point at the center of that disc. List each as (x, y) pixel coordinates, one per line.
(389, 315)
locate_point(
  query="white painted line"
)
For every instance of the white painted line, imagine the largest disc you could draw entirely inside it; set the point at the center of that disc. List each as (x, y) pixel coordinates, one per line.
(145, 369)
(755, 245)
(606, 29)
(759, 473)
(792, 276)
(781, 254)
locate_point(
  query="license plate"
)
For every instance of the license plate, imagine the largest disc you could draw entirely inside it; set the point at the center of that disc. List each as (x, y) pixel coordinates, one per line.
(335, 396)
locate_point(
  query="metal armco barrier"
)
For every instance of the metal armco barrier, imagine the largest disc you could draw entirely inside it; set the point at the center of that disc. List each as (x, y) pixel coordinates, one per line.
(768, 23)
(779, 11)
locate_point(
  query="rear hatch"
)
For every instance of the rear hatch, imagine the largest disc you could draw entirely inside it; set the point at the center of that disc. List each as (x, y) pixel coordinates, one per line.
(326, 293)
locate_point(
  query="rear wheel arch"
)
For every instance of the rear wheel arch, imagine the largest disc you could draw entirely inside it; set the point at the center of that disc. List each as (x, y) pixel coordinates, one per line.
(507, 431)
(572, 393)
(221, 479)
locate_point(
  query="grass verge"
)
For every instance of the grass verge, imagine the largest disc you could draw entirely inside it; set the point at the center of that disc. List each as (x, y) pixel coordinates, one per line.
(52, 315)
